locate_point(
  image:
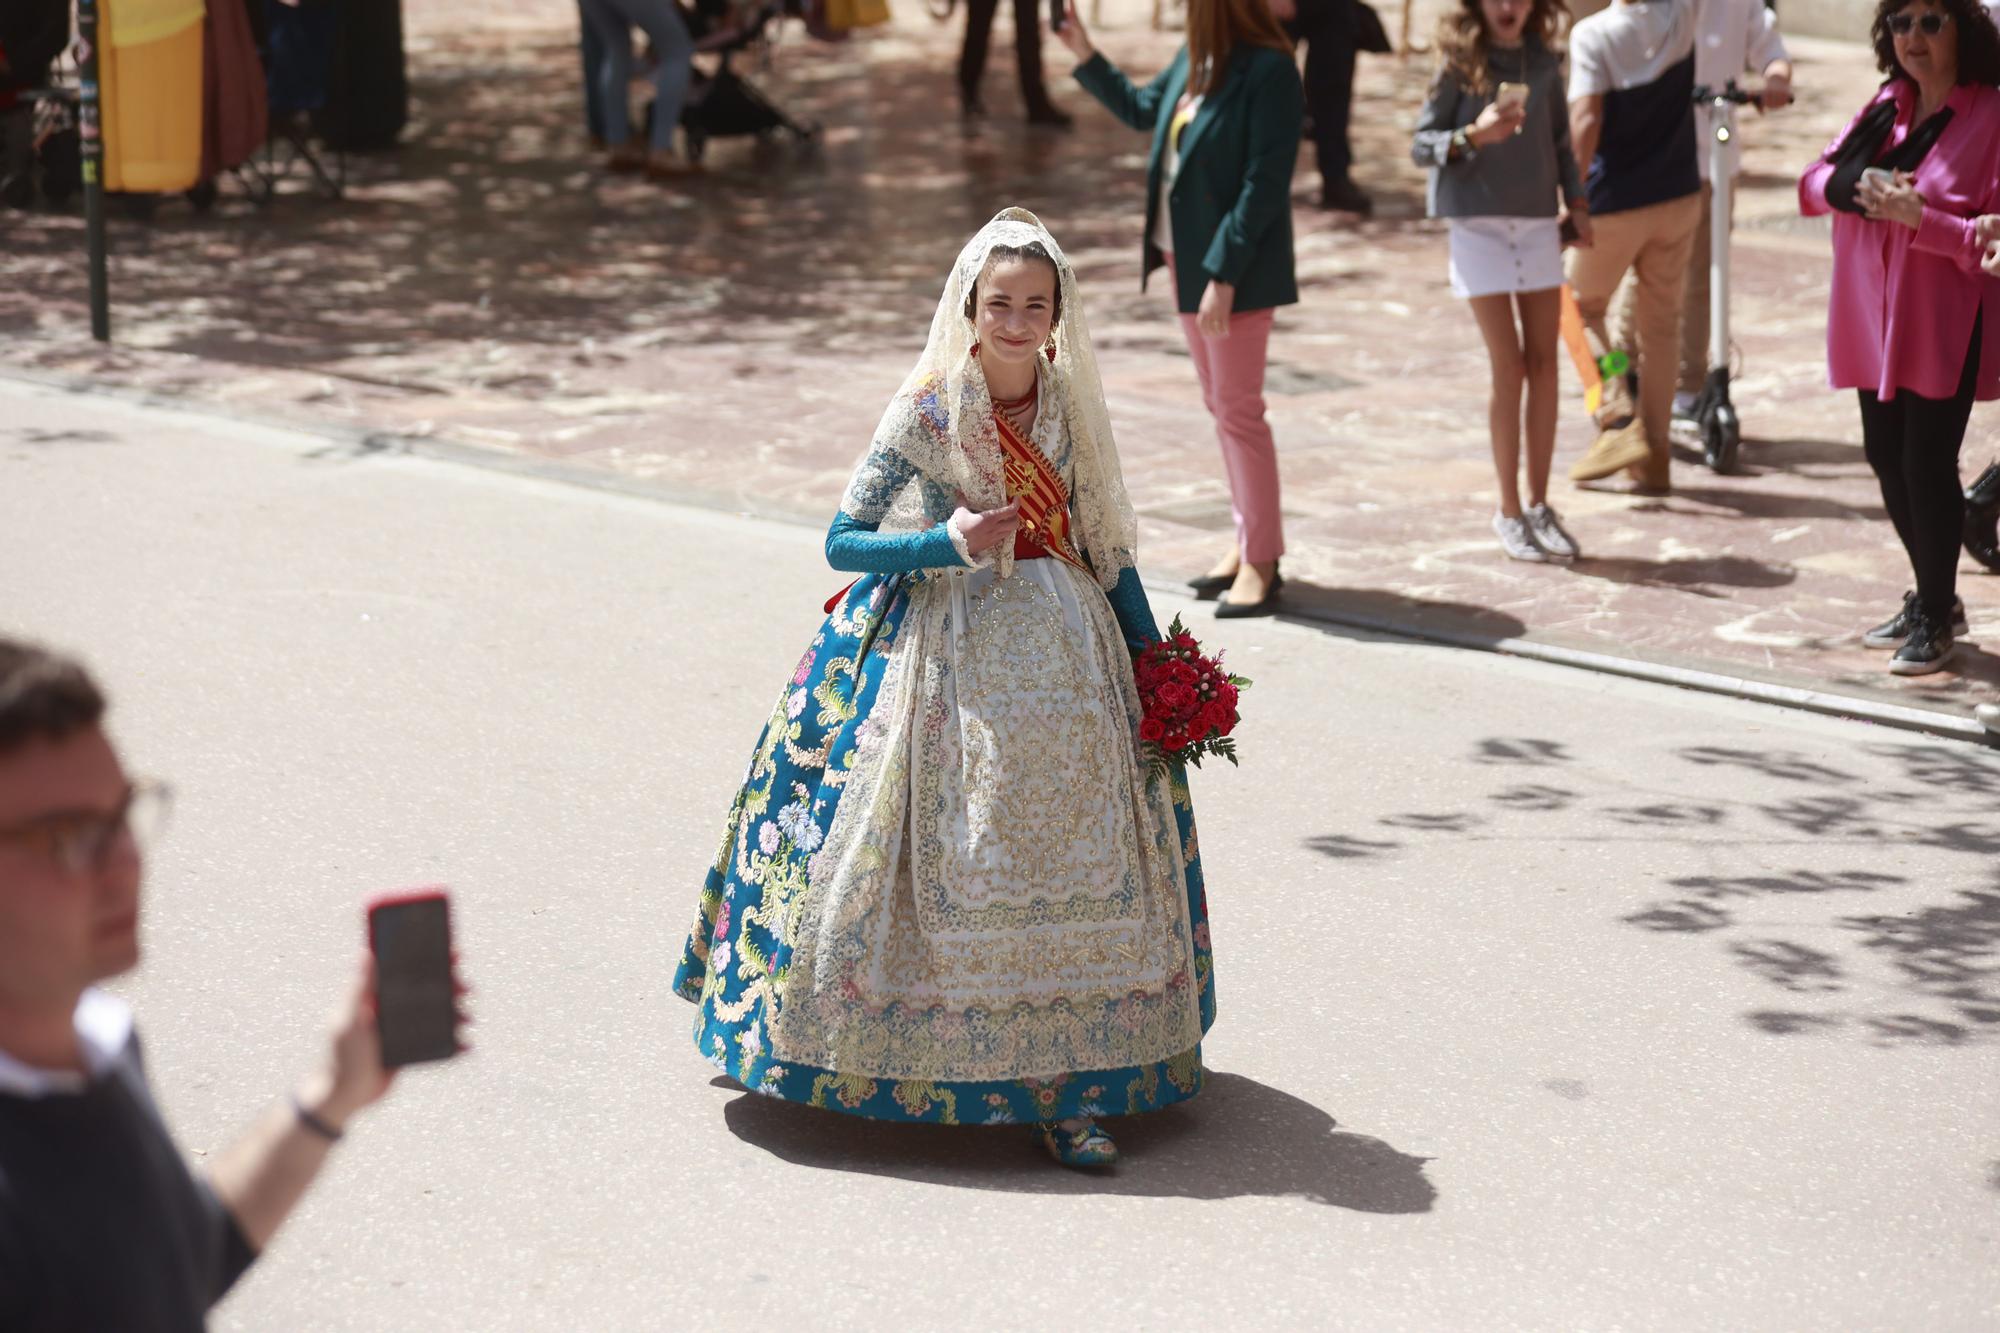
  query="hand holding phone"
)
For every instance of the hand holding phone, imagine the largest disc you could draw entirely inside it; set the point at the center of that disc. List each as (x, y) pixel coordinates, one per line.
(416, 989)
(1510, 96)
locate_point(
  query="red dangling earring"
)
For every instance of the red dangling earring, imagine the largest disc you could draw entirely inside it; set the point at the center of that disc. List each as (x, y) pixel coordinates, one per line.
(1050, 350)
(975, 349)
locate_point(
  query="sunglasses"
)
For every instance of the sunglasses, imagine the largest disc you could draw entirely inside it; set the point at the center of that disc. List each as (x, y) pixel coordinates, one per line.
(1929, 24)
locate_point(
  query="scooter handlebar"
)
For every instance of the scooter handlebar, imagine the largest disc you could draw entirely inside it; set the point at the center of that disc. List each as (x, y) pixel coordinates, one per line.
(1729, 94)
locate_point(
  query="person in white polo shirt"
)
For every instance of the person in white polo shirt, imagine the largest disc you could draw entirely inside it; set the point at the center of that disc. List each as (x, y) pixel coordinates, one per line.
(1732, 38)
(1631, 84)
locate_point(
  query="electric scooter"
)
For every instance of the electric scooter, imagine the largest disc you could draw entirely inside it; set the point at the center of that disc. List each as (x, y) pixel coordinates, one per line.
(1721, 430)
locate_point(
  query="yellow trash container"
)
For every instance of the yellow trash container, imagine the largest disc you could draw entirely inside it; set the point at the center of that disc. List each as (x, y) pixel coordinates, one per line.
(149, 76)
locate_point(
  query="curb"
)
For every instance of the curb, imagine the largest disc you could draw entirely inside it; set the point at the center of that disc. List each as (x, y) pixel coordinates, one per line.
(1828, 703)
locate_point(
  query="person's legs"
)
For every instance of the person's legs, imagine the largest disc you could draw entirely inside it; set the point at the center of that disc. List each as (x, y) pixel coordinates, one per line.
(1933, 432)
(1882, 434)
(1028, 64)
(1694, 306)
(1204, 375)
(1236, 369)
(614, 70)
(1594, 275)
(1661, 274)
(1541, 330)
(1618, 330)
(1495, 317)
(972, 57)
(590, 49)
(673, 48)
(1328, 32)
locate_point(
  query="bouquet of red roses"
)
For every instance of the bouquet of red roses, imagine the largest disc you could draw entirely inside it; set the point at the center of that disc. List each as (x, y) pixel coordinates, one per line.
(1189, 701)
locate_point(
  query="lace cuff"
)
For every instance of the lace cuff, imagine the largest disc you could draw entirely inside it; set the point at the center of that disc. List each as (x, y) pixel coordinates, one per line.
(965, 554)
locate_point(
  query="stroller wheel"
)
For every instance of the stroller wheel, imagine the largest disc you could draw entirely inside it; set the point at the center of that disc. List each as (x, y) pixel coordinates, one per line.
(203, 196)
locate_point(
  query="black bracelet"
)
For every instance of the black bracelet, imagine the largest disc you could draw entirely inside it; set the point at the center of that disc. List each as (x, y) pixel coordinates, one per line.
(313, 1122)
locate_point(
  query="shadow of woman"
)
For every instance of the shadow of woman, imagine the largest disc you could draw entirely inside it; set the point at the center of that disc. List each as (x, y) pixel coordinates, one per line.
(1238, 1139)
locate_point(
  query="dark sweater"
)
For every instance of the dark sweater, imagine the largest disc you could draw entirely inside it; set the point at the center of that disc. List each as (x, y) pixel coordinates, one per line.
(102, 1225)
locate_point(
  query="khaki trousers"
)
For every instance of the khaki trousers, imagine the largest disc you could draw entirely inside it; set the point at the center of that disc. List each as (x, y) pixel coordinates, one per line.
(1652, 245)
(1694, 308)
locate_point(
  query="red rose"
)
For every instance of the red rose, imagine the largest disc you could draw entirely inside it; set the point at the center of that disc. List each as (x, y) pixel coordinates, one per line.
(1152, 729)
(1176, 695)
(1175, 740)
(1185, 673)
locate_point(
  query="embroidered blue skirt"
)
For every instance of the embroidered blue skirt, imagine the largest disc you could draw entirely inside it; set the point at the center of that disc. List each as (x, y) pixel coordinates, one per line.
(736, 957)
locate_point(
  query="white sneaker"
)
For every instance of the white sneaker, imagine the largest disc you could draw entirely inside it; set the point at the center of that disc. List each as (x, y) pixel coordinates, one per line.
(1988, 715)
(1515, 539)
(1546, 529)
(1684, 404)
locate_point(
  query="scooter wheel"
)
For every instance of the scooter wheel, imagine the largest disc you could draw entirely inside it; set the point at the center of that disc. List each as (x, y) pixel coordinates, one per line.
(1721, 436)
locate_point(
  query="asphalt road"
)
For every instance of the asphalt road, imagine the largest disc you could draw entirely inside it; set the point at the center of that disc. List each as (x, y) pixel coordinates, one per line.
(1548, 1000)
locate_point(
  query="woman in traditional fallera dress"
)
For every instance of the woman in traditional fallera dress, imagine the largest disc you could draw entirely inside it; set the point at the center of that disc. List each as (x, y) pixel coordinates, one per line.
(951, 889)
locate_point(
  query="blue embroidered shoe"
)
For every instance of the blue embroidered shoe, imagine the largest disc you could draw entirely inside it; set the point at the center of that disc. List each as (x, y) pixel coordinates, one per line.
(1086, 1146)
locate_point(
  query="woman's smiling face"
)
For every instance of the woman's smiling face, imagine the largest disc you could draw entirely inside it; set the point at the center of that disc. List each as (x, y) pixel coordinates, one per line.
(1016, 308)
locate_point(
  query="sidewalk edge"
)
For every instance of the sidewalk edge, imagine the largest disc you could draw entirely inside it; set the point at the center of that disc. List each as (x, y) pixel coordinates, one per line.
(1804, 698)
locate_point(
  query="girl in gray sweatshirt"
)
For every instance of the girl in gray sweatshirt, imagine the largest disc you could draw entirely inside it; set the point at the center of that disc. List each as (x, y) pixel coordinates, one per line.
(1495, 134)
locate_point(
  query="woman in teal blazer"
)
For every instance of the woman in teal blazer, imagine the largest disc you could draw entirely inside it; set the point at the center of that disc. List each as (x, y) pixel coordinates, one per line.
(1225, 118)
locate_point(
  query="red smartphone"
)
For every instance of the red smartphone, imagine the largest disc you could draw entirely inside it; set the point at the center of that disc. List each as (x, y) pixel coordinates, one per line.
(416, 992)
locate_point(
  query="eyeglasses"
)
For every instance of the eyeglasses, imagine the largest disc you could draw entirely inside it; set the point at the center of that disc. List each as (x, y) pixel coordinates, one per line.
(79, 842)
(1929, 24)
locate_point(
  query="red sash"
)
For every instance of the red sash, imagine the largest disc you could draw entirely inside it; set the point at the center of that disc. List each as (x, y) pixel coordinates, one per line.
(1044, 529)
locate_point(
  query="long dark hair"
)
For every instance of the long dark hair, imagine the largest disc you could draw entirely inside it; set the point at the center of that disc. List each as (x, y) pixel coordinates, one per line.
(1215, 28)
(1463, 44)
(1978, 40)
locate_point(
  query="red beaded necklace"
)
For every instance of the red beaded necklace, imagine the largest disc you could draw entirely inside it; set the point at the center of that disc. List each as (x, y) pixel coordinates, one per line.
(1017, 410)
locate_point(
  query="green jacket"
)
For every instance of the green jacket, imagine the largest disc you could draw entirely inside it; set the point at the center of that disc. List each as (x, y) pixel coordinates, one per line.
(1232, 199)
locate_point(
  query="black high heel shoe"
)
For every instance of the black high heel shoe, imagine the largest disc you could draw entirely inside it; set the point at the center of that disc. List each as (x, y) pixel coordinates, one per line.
(1263, 606)
(1211, 585)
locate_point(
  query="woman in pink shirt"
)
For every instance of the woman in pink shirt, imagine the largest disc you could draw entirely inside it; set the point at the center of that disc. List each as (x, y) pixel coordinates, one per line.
(1911, 319)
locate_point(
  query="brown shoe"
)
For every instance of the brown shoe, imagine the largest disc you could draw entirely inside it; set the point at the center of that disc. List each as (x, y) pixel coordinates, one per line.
(1650, 477)
(626, 160)
(1613, 451)
(667, 165)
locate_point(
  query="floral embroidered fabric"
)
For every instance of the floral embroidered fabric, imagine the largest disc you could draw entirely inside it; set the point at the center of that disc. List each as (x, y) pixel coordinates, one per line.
(955, 1001)
(949, 889)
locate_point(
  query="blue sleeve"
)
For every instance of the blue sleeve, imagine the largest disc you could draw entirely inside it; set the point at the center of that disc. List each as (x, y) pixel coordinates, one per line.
(1135, 614)
(854, 547)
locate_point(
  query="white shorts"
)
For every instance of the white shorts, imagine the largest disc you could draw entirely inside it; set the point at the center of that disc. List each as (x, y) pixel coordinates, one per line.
(1494, 255)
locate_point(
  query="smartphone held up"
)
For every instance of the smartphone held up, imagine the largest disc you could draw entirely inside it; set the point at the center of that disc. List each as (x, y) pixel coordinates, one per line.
(416, 986)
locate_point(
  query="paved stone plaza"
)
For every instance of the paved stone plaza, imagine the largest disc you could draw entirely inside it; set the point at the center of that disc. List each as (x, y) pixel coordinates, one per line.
(733, 342)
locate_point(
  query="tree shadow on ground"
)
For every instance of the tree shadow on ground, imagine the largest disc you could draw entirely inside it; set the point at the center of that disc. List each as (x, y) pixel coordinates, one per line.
(1704, 576)
(1761, 504)
(1238, 1139)
(1860, 948)
(1799, 456)
(1382, 611)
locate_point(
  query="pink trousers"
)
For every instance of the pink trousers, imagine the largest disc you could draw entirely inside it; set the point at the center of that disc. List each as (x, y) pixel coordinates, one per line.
(1231, 371)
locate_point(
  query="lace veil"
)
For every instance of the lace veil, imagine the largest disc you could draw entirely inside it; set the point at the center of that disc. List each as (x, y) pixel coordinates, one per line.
(937, 439)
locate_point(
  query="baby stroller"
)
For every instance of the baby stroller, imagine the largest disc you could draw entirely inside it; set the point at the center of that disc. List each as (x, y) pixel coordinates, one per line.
(724, 104)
